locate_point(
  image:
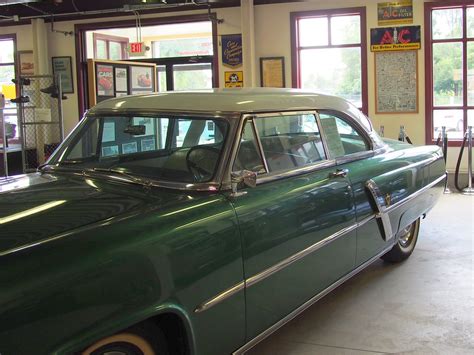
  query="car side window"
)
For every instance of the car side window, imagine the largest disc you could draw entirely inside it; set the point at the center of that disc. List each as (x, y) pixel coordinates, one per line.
(342, 137)
(290, 141)
(248, 156)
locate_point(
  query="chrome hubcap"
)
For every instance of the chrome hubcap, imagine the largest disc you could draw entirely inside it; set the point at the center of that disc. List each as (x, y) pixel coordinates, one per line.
(406, 236)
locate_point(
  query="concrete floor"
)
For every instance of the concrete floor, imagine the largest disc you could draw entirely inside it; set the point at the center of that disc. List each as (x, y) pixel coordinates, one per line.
(422, 306)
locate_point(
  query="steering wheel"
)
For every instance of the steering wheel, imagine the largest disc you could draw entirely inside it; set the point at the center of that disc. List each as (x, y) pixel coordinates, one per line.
(201, 162)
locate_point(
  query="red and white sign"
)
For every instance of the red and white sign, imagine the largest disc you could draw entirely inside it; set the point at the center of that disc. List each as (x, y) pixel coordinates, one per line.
(137, 49)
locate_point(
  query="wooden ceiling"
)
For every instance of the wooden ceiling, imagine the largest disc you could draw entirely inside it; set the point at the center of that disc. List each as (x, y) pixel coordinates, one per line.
(24, 10)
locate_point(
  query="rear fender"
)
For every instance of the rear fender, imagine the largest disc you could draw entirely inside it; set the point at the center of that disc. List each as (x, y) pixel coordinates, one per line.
(401, 196)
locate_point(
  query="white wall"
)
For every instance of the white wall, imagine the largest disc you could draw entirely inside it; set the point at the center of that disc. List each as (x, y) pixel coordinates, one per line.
(272, 38)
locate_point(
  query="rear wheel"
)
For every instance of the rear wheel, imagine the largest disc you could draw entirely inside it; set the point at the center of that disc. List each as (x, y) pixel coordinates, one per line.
(406, 241)
(148, 340)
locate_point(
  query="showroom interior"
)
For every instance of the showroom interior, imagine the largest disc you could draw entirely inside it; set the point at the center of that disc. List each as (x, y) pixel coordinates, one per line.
(408, 65)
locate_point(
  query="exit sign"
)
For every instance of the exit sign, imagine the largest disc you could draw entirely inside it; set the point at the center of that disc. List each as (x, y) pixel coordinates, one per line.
(137, 49)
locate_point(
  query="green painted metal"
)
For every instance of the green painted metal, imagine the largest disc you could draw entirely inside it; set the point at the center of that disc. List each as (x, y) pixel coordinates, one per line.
(142, 253)
(100, 256)
(281, 218)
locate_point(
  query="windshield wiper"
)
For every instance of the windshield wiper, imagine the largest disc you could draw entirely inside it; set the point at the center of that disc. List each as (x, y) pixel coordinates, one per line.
(121, 173)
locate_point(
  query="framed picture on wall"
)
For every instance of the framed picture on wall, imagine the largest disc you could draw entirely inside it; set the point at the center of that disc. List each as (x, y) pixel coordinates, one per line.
(63, 66)
(142, 78)
(26, 63)
(105, 80)
(272, 72)
(121, 80)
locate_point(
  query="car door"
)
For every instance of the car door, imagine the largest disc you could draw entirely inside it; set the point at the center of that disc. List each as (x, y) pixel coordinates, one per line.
(351, 148)
(297, 224)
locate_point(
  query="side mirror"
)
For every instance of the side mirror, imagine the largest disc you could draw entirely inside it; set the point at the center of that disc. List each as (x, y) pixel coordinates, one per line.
(249, 178)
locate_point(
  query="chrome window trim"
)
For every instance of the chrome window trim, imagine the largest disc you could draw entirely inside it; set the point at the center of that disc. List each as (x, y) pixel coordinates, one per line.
(354, 156)
(308, 303)
(259, 143)
(269, 177)
(295, 172)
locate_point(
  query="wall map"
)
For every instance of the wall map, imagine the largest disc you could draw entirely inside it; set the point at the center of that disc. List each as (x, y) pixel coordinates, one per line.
(396, 82)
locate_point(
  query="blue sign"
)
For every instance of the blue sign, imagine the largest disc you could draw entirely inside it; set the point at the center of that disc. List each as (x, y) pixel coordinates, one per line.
(232, 50)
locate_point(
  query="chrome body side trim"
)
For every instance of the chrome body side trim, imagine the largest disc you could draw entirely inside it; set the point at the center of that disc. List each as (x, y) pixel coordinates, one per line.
(307, 304)
(220, 297)
(277, 267)
(383, 211)
(295, 257)
(380, 213)
(416, 193)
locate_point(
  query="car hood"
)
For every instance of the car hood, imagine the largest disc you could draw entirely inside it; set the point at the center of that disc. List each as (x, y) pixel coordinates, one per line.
(38, 206)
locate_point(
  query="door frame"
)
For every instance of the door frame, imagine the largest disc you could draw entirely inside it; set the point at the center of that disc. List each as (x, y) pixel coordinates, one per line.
(81, 49)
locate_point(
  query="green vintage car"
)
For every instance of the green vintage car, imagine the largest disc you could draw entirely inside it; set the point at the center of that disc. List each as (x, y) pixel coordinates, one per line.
(200, 222)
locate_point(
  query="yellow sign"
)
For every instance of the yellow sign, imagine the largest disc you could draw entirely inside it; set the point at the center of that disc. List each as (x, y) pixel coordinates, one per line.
(394, 47)
(396, 12)
(234, 79)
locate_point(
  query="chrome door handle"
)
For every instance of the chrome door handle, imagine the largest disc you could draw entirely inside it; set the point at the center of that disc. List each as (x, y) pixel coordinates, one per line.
(339, 173)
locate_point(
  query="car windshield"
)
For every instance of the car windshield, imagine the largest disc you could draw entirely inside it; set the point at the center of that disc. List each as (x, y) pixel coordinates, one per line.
(176, 149)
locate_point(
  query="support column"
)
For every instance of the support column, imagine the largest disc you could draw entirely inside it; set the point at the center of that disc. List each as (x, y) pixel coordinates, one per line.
(248, 42)
(40, 46)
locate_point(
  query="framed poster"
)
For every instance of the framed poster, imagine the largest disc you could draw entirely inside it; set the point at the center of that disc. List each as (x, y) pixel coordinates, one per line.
(396, 82)
(105, 80)
(63, 66)
(272, 72)
(26, 62)
(394, 12)
(141, 78)
(121, 82)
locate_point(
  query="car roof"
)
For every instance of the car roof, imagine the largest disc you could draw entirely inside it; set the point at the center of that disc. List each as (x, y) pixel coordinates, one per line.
(236, 100)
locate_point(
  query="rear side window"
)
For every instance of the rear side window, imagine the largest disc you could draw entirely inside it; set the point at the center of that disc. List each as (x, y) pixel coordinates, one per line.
(342, 137)
(287, 142)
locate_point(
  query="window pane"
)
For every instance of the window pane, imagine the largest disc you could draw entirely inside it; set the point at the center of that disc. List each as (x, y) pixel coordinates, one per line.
(161, 72)
(192, 76)
(182, 47)
(115, 50)
(290, 141)
(335, 71)
(342, 138)
(451, 119)
(470, 21)
(447, 23)
(101, 49)
(313, 32)
(248, 157)
(191, 162)
(345, 29)
(7, 52)
(7, 73)
(447, 74)
(470, 73)
(470, 119)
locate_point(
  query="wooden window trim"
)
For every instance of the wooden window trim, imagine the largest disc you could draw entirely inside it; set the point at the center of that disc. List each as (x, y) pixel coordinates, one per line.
(295, 47)
(429, 99)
